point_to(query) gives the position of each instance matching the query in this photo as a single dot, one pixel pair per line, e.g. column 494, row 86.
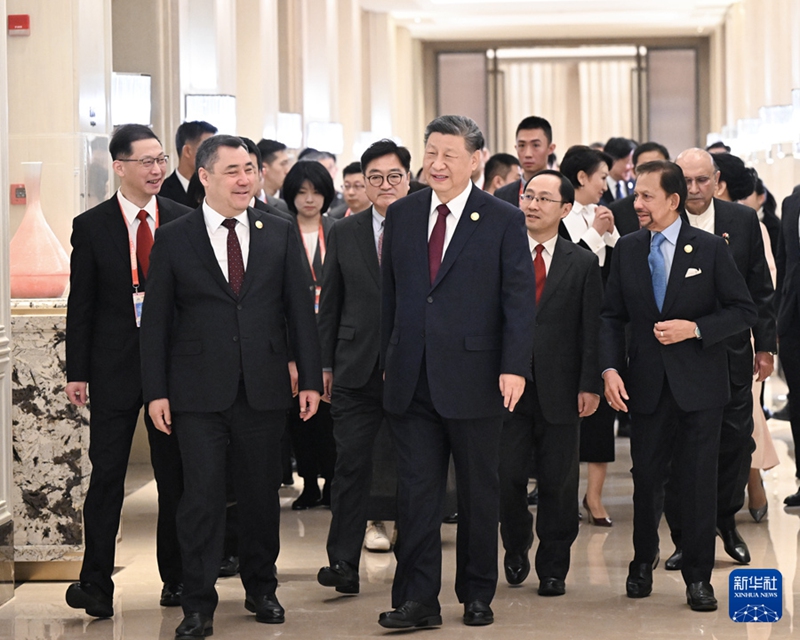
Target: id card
column 317, row 292
column 138, row 301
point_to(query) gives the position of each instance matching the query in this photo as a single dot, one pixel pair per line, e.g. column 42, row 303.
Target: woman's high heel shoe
column 597, row 522
column 758, row 514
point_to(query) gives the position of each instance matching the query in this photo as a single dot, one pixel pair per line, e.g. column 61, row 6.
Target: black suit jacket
column 787, row 261
column 565, row 358
column 275, row 211
column 473, row 323
column 198, row 339
column 716, row 298
column 739, row 225
column 337, row 213
column 278, row 204
column 608, row 198
column 102, row 336
column 173, row 189
column 625, row 219
column 319, row 266
column 350, row 305
column 510, row 193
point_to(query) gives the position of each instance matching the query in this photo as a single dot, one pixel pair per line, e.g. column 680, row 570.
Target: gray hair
column 457, row 126
column 208, row 152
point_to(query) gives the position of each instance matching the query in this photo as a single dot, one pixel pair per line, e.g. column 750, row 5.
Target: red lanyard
column 521, row 187
column 132, row 245
column 310, row 255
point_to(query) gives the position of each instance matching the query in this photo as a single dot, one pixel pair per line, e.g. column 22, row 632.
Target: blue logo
column 755, row 595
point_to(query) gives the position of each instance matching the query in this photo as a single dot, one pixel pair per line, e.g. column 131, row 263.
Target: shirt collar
column 456, row 205
column 214, row 220
column 671, row 232
column 184, row 181
column 549, row 245
column 130, row 210
column 377, row 218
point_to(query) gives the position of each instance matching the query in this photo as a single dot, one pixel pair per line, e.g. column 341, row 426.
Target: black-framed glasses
column 526, row 197
column 376, row 179
column 147, row 162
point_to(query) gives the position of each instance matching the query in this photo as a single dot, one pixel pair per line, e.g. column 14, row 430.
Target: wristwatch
column 697, row 333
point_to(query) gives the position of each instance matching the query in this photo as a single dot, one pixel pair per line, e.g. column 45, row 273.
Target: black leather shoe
column 675, row 561
column 517, row 567
column 325, row 500
column 477, row 614
column 195, row 625
column 310, row 497
column 171, row 594
column 341, row 575
column 700, row 597
column 229, row 567
column 792, row 500
column 551, row 587
column 86, row 596
column 267, row 608
column 411, row 615
column 639, row 583
column 451, row 518
column 734, row 546
column 533, row 497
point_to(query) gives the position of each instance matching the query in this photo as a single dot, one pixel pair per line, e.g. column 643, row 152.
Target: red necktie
column 235, row 261
column 380, row 245
column 436, row 242
column 540, row 271
column 144, row 242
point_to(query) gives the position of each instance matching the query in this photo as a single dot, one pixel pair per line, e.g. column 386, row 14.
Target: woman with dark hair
column 592, row 227
column 308, row 191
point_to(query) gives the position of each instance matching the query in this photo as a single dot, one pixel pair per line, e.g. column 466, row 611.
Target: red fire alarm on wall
column 19, row 25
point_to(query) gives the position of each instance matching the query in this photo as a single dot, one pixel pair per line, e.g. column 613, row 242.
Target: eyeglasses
column 376, row 179
column 147, row 162
column 357, row 186
column 526, row 197
column 701, row 181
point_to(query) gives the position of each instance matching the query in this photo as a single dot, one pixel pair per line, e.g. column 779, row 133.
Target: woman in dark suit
column 308, row 191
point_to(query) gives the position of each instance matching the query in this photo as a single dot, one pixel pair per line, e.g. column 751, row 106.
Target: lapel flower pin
column 726, row 237
column 474, row 216
column 259, row 224
column 688, row 248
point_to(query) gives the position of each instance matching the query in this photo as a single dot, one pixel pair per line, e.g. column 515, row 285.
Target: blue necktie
column 619, row 190
column 658, row 268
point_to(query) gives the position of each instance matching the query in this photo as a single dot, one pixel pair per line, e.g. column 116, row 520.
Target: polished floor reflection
column 595, row 605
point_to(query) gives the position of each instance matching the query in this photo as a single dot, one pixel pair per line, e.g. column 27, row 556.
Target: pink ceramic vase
column 39, row 264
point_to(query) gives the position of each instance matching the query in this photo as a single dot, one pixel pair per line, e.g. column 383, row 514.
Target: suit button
column 236, row 338
column 239, row 307
column 430, row 299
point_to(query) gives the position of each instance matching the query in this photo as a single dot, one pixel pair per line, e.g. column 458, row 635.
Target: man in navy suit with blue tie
column 680, row 291
column 456, row 337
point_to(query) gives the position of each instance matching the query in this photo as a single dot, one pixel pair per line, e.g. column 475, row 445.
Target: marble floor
column 595, row 605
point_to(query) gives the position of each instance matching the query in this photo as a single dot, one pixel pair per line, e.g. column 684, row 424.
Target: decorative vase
column 39, row 264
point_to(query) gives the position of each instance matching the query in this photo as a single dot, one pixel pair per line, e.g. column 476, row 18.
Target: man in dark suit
column 679, row 290
column 738, row 225
column 625, row 219
column 788, row 298
column 275, row 164
column 349, row 328
column 534, row 143
column 354, row 190
column 110, row 259
column 566, row 387
column 226, row 294
column 188, row 138
column 618, row 181
column 456, row 338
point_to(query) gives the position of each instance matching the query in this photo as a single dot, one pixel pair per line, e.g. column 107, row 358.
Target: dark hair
column 253, row 150
column 732, row 171
column 535, row 122
column 195, row 192
column 208, row 152
column 352, row 168
column 457, row 126
column 619, row 148
column 416, row 185
column 310, row 154
column 269, row 149
column 385, row 147
column 646, row 147
column 770, row 205
column 565, row 189
column 498, row 165
column 672, row 180
column 192, row 132
column 121, row 144
column 718, row 145
column 579, row 158
column 314, row 173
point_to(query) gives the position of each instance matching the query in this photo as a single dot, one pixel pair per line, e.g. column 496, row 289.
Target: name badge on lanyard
column 310, row 256
column 138, row 296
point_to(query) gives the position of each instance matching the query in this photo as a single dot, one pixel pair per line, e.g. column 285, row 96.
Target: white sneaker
column 376, row 538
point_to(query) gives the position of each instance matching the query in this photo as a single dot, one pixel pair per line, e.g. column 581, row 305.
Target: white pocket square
column 691, row 272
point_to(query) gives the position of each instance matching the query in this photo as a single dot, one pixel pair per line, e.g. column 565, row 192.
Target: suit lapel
column 644, row 277
column 684, row 256
column 559, row 266
column 464, row 229
column 365, row 239
column 117, row 228
column 198, row 237
column 257, row 252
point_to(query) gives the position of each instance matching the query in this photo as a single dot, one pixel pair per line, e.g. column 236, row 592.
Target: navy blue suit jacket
column 476, row 320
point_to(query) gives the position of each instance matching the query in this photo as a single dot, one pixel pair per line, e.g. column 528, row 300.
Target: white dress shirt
column 612, row 186
column 579, row 225
column 184, row 181
column 547, row 252
column 130, row 211
column 456, row 206
column 705, row 221
column 377, row 226
column 219, row 236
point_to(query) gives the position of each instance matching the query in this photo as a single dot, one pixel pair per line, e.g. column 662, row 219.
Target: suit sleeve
column 780, row 255
column 157, row 316
column 81, row 303
column 759, row 284
column 735, row 311
column 388, row 301
column 330, row 303
column 613, row 318
column 518, row 298
column 590, row 379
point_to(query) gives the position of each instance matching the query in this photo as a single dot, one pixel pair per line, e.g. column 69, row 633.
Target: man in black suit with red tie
column 566, row 387
column 109, row 265
column 534, row 143
column 227, row 295
column 188, row 138
column 457, row 334
column 679, row 290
